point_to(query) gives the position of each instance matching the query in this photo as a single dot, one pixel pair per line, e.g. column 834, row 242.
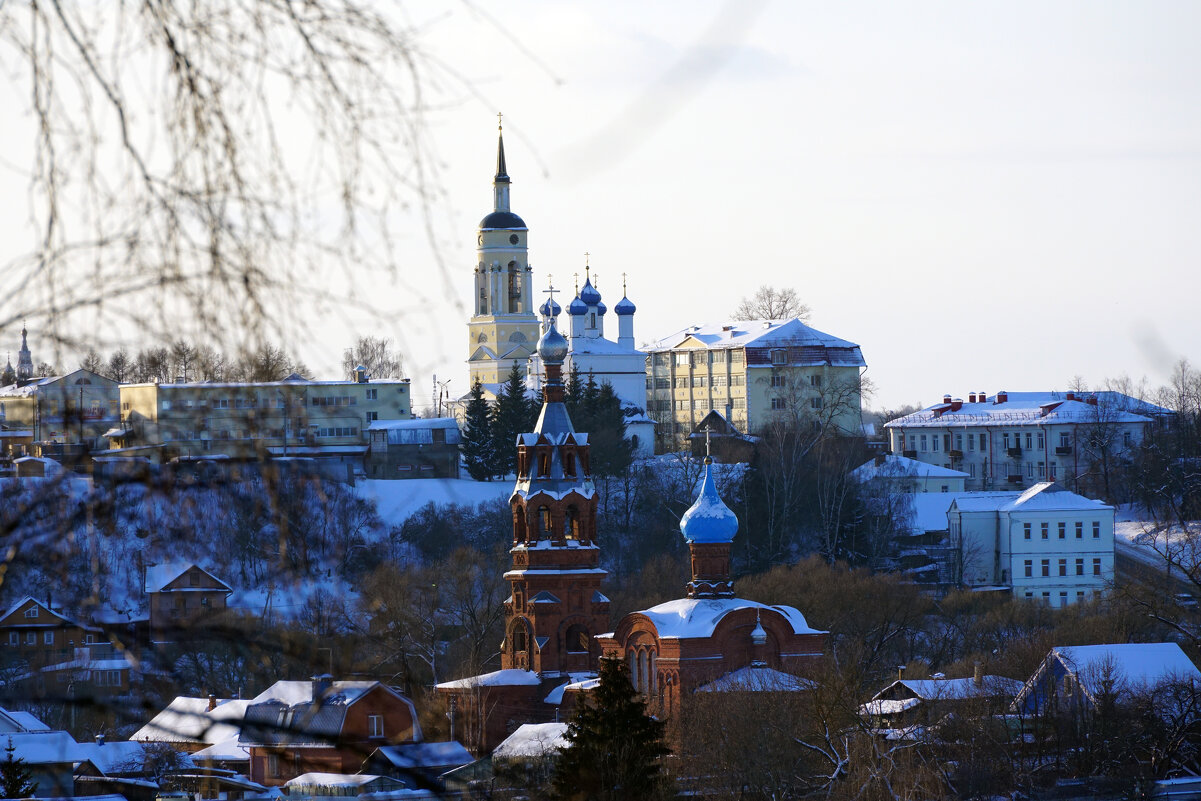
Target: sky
column 983, row 196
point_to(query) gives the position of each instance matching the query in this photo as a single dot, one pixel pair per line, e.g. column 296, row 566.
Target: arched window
column 571, row 523
column 520, row 643
column 643, row 672
column 578, row 641
column 543, row 520
column 517, row 336
column 569, row 463
column 654, row 689
column 592, row 320
column 482, row 338
column 634, row 668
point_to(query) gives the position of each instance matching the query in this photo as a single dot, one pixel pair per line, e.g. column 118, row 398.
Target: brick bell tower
column 556, row 607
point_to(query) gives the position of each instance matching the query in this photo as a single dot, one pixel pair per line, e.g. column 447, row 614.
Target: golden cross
column 623, row 284
column 499, row 124
column 708, row 431
column 576, row 276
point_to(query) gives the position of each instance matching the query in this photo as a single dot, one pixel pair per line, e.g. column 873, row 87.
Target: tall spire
column 502, row 173
column 24, row 358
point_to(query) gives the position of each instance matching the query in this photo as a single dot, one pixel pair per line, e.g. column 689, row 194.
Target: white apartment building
column 1047, row 544
column 1016, row 439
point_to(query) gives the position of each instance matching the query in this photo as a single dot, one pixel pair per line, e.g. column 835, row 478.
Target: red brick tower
column 556, row 606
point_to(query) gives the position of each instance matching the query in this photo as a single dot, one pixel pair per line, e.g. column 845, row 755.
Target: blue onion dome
column 624, row 308
column 577, row 307
column 588, row 293
column 551, row 308
column 552, row 347
column 503, row 219
column 709, row 520
column 601, row 308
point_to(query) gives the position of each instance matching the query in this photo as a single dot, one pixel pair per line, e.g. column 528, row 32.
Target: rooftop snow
column 887, row 706
column 159, row 576
column 698, row 617
column 533, row 740
column 756, row 679
column 1022, row 408
column 189, row 720
column 756, row 333
column 226, row 750
column 301, row 692
column 497, row 678
column 556, row 695
column 903, row 467
column 1044, row 496
column 957, row 689
column 1137, row 664
column 425, row 755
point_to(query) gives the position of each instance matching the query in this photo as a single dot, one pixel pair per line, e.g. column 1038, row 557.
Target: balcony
column 1063, row 450
column 1015, row 452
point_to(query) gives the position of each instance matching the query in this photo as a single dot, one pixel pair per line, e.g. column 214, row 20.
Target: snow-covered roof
column 497, row 678
column 599, row 345
column 1021, row 408
column 331, row 780
column 119, row 756
column 418, row 431
column 956, row 689
column 17, row 720
column 888, row 706
column 765, row 334
column 291, row 380
column 44, row 747
column 555, row 696
column 895, row 466
column 1133, row 664
column 532, row 740
column 227, row 750
column 698, row 617
column 159, row 576
column 425, row 755
column 61, row 617
column 1046, row 496
column 300, row 692
column 757, row 679
column 189, row 720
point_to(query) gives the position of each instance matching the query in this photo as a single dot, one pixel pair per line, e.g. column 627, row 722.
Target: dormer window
column 544, row 463
column 569, row 463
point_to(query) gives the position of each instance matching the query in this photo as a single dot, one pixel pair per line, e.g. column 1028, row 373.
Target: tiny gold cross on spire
column 708, row 443
column 576, row 276
column 499, row 121
column 623, row 284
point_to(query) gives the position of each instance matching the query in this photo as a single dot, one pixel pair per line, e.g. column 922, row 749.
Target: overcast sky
column 983, row 196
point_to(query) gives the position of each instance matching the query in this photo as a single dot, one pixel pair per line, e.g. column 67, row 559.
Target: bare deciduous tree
column 376, row 354
column 770, row 303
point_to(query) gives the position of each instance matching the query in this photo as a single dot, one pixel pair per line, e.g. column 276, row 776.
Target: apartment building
column 1047, row 544
column 66, row 416
column 1016, row 439
column 753, row 372
column 295, row 417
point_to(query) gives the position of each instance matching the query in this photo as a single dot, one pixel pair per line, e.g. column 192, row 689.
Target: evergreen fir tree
column 513, row 415
column 611, row 452
column 616, row 749
column 477, row 444
column 571, row 394
column 15, row 780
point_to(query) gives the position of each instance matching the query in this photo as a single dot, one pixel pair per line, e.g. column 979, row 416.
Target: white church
column 504, row 329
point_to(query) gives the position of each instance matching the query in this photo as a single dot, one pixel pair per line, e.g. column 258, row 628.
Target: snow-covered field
column 396, row 501
column 1140, row 538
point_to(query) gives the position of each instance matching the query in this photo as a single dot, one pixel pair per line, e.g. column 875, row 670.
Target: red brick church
column 557, row 621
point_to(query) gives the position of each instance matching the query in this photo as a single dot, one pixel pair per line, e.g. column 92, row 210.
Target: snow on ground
column 1136, row 536
column 396, row 501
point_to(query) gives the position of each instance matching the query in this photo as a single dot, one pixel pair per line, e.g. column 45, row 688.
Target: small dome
column 588, row 293
column 758, row 635
column 503, row 219
column 709, row 520
column 624, row 308
column 577, row 307
column 553, row 345
column 550, row 309
column 601, row 308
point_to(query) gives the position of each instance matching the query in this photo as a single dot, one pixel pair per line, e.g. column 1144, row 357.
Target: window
column 737, row 355
column 1028, row 441
column 815, row 380
column 1097, row 566
column 1005, row 440
column 662, row 383
column 1096, row 529
column 372, row 394
column 1043, row 529
column 31, row 612
column 1046, row 566
column 1063, row 597
column 1046, row 597
column 815, row 403
column 1063, row 530
column 682, row 359
column 735, row 380
column 1079, row 567
column 1079, row 596
column 1064, row 439
column 1063, row 567
column 934, row 443
column 681, row 382
column 971, row 442
column 699, row 381
column 125, row 406
column 777, row 403
column 1041, row 441
column 1025, row 531
column 1042, row 469
column 779, row 357
column 959, row 442
column 923, row 442
column 14, row 638
column 777, row 380
column 373, row 416
column 1029, row 565
column 1127, row 439
column 1079, row 529
column 273, row 764
column 720, row 381
column 984, row 442
column 31, row 638
column 375, row 725
column 683, row 406
column 1029, row 469
column 739, row 403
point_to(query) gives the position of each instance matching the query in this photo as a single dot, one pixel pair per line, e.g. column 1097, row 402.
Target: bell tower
column 503, row 328
column 556, row 606
column 24, row 359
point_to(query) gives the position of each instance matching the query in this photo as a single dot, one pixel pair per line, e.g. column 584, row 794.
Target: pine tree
column 477, row 444
column 611, row 452
column 15, row 780
column 616, row 749
column 512, row 415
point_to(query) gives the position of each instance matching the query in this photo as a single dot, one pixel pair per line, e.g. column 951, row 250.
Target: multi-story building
column 63, row 417
column 754, row 373
column 1016, row 439
column 294, row 417
column 1047, row 544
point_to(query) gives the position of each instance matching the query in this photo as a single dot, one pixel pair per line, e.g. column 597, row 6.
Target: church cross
column 708, row 443
column 576, row 276
column 550, row 290
column 623, row 284
column 499, row 121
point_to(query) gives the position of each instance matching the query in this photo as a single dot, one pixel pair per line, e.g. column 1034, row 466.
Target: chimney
column 956, row 404
column 1002, row 396
column 1091, row 400
column 982, row 397
column 946, row 398
column 321, row 685
column 360, row 374
column 1070, row 396
column 971, row 397
column 212, row 702
column 978, row 674
column 99, row 739
column 900, row 672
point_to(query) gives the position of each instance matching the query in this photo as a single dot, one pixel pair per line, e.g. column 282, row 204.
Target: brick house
column 323, row 726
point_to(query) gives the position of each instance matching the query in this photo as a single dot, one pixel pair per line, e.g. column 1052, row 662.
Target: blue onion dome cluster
column 551, row 308
column 624, row 308
column 577, row 307
column 552, row 347
column 588, row 293
column 709, row 520
column 601, row 308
